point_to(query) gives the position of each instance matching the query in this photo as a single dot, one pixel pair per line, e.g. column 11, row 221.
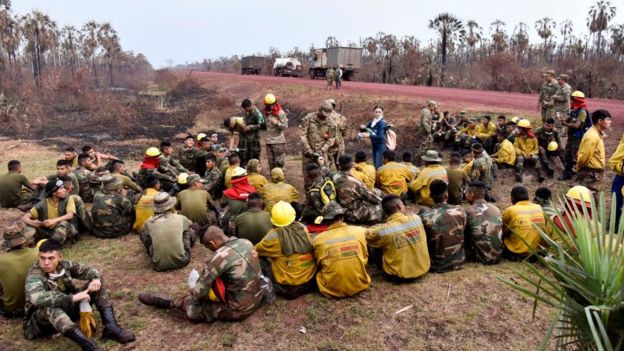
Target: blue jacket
column 378, row 137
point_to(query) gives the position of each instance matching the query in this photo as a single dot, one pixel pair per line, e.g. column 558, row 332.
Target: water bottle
column 267, row 287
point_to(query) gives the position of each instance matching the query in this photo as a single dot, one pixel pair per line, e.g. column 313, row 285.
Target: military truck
column 287, row 67
column 348, row 59
column 253, row 64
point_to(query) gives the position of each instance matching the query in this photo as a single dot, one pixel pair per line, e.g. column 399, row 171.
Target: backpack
column 327, row 190
column 391, row 138
column 583, row 127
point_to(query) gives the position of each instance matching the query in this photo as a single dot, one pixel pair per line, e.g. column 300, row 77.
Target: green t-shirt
column 14, row 266
column 167, row 245
column 11, row 188
column 253, row 225
column 193, row 204
column 126, row 182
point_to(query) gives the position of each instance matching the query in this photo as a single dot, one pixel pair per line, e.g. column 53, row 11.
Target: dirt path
column 464, row 98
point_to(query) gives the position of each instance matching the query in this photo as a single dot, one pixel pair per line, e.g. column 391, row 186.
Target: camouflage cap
column 332, row 102
column 110, row 183
column 326, row 108
column 563, row 76
column 194, row 178
column 17, row 233
column 163, row 202
column 432, row 103
column 550, row 72
column 431, row 156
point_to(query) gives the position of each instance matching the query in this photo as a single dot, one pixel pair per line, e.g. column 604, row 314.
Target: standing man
column 249, row 142
column 484, row 228
column 339, row 77
column 562, row 97
column 426, row 125
column 341, row 133
column 547, row 91
column 277, row 122
column 591, row 160
column 318, row 133
column 330, row 75
column 578, row 122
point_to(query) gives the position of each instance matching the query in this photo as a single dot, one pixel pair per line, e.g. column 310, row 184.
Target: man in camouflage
column 83, row 220
column 545, row 135
column 481, row 166
column 484, row 227
column 54, row 303
column 277, row 122
column 87, row 178
column 330, row 75
column 562, row 97
column 169, row 165
column 547, row 92
column 189, row 153
column 249, row 142
column 318, row 135
column 228, row 287
column 445, row 226
column 426, row 125
column 361, row 204
column 341, row 134
column 213, row 178
column 112, row 211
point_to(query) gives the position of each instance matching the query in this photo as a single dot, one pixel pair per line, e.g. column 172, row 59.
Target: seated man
column 149, row 166
column 482, row 165
column 228, row 287
column 253, row 224
column 403, row 241
column 88, row 180
column 235, row 198
column 486, row 131
column 527, row 149
column 169, row 165
column 407, row 162
column 70, row 154
column 341, row 255
column 11, row 185
column 168, row 237
column 83, row 220
column 457, row 179
column 363, row 171
column 483, row 237
column 213, row 178
column 234, row 162
column 14, row 266
column 54, row 303
column 432, row 171
column 576, row 198
column 97, row 157
column 519, row 221
column 504, row 152
column 288, row 249
column 550, row 146
column 53, row 216
column 321, row 191
column 256, row 179
column 393, row 177
column 543, row 197
column 144, row 208
column 195, row 203
column 278, row 190
column 112, row 211
column 119, row 172
column 63, row 168
column 360, row 204
column 445, row 226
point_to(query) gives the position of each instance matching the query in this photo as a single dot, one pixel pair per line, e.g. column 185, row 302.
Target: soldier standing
column 341, row 134
column 547, row 91
column 318, row 135
column 562, row 97
column 426, row 125
column 277, row 122
column 338, row 73
column 249, row 142
column 330, row 75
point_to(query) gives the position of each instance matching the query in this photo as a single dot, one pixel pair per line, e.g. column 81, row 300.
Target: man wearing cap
column 341, row 255
column 591, row 159
column 167, row 236
column 341, row 133
column 254, row 223
column 519, row 225
column 145, row 206
column 54, row 304
column 287, row 255
column 278, row 190
column 53, row 216
column 578, row 122
column 277, row 122
column 548, row 152
column 14, row 266
column 318, row 132
column 444, row 225
column 195, row 203
column 402, row 240
column 256, row 179
column 112, row 211
column 545, row 101
column 482, row 165
column 11, row 185
column 249, row 141
column 527, row 149
column 483, row 237
column 432, row 171
column 361, row 205
column 393, row 177
column 228, row 287
column 562, row 97
column 87, row 178
column 426, row 125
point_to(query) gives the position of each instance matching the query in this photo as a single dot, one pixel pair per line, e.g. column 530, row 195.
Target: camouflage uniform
column 240, row 272
column 88, row 182
column 484, row 232
column 63, row 232
column 112, row 215
column 341, row 134
column 275, row 139
column 445, row 225
column 170, row 166
column 361, row 204
column 249, row 141
column 482, row 169
column 561, row 99
column 318, row 135
column 426, row 133
column 547, row 158
column 49, row 308
column 214, row 182
column 84, row 221
column 547, row 91
column 166, row 181
column 315, row 203
column 330, row 75
column 188, row 157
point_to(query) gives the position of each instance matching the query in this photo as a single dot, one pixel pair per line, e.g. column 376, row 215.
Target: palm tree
column 498, row 35
column 36, row 28
column 520, row 39
column 598, row 19
column 69, row 36
column 566, row 28
column 109, row 41
column 474, row 35
column 90, row 45
column 617, row 40
column 545, row 27
column 448, row 26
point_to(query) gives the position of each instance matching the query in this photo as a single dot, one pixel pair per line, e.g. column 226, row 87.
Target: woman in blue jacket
column 377, row 132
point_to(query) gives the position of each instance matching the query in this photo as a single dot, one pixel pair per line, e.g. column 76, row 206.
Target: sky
column 184, row 31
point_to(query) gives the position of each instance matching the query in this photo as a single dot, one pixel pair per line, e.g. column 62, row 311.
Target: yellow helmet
column 282, row 214
column 200, row 136
column 238, row 172
column 579, row 193
column 183, row 178
column 515, row 119
column 578, row 94
column 524, row 123
column 152, row 151
column 269, row 99
column 553, row 146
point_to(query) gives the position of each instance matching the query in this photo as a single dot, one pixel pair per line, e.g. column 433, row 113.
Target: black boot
column 79, row 338
column 112, row 330
column 155, row 300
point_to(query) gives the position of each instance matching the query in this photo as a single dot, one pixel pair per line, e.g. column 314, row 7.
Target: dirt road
column 477, row 100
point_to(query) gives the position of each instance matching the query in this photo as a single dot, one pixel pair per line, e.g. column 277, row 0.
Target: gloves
column 87, row 322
